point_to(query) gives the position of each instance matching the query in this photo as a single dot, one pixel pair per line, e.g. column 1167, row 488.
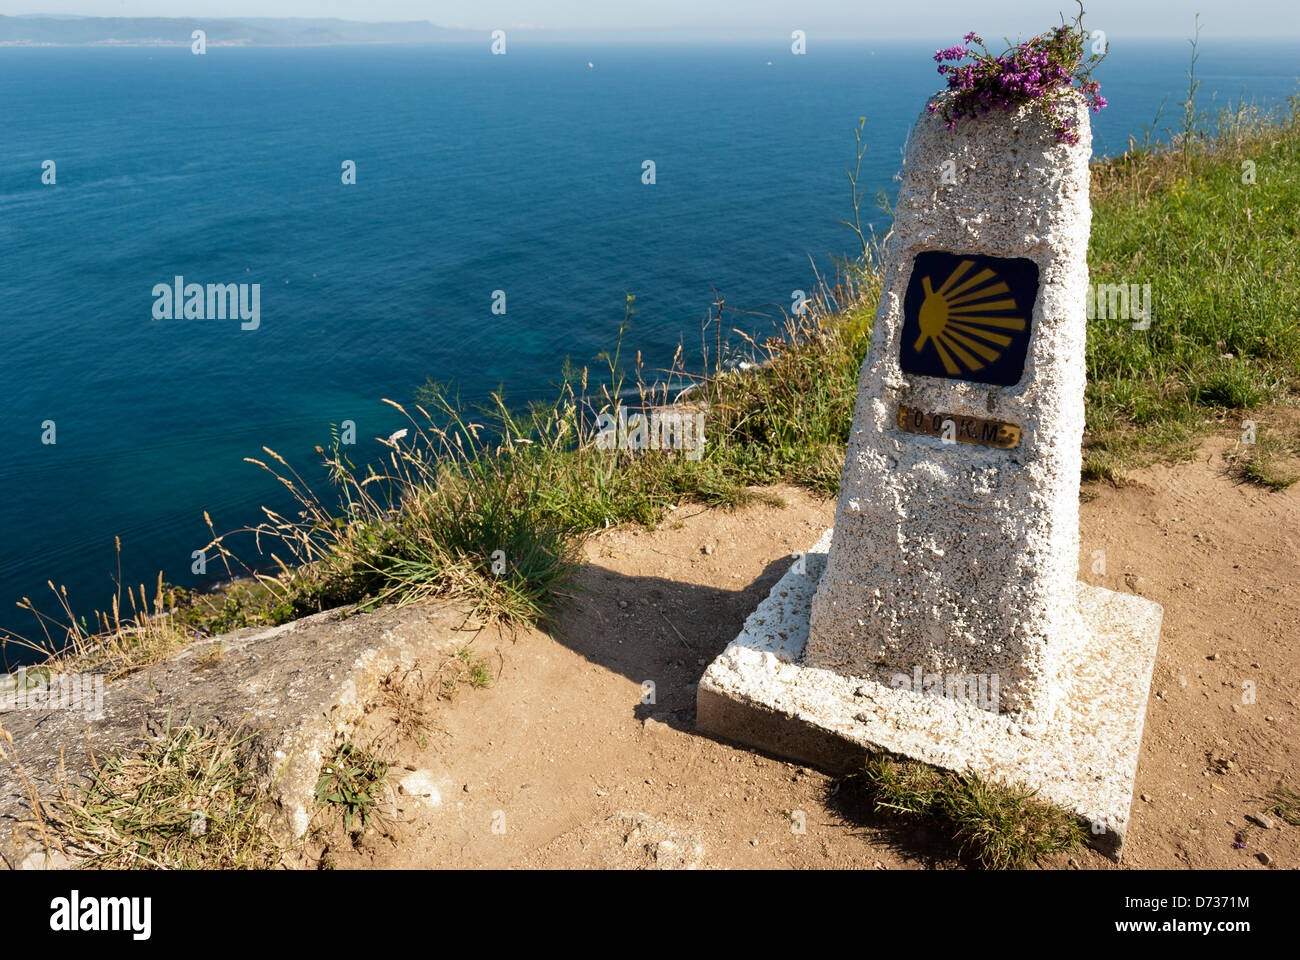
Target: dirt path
column 564, row 762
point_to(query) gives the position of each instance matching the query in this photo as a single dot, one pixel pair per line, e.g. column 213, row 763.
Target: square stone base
column 757, row 692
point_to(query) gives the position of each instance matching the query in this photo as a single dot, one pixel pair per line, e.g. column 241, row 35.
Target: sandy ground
column 566, row 760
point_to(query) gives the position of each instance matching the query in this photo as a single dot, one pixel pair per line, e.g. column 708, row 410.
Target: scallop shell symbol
column 955, row 319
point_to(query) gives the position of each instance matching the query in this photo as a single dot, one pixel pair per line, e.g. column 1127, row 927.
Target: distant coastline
column 48, row 31
column 212, row 43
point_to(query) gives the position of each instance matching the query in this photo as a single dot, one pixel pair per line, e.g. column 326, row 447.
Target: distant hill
column 251, row 31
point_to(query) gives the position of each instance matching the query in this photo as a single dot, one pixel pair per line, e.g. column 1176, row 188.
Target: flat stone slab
column 760, row 693
column 292, row 689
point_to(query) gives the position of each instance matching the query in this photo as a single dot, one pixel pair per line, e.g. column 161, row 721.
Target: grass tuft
column 1286, row 804
column 998, row 826
column 1270, row 463
column 352, row 782
column 465, row 667
column 189, row 799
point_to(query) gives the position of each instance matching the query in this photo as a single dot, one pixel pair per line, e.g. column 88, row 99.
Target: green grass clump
column 465, row 667
column 1270, row 462
column 189, row 799
column 1286, row 804
column 999, row 827
column 353, row 781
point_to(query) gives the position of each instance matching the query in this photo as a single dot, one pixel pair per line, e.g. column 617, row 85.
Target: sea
column 502, row 212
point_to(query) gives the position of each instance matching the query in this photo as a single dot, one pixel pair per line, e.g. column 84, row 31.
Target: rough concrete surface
column 294, row 688
column 762, row 691
column 954, row 557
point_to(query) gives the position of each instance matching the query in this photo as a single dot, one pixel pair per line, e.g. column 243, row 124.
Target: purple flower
column 1041, row 70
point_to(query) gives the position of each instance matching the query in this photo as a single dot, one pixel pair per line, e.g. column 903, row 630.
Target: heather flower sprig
column 1041, row 70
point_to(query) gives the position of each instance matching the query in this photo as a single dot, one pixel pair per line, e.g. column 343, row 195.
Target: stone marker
column 952, row 568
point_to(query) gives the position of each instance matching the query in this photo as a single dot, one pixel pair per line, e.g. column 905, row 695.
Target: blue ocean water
column 475, row 173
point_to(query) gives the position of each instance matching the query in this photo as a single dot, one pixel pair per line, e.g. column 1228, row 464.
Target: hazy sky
column 847, row 19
